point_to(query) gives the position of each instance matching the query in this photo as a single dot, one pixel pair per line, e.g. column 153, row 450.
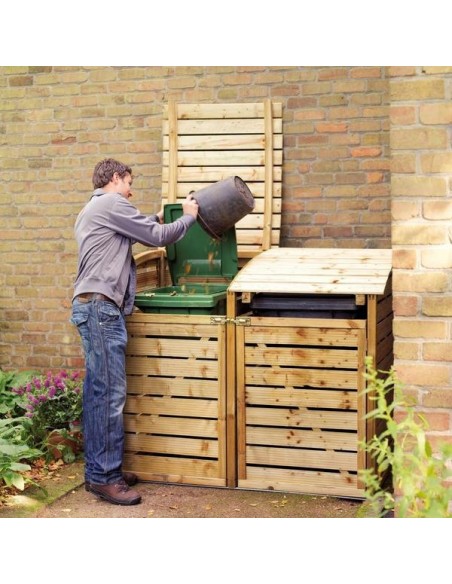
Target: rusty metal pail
column 222, row 204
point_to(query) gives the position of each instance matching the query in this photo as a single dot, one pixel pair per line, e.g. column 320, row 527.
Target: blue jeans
column 103, row 331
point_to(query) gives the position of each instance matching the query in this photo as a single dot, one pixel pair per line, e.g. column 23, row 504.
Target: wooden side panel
column 175, row 413
column 299, row 409
column 384, row 334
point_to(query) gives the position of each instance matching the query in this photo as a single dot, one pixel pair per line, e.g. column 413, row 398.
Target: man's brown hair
column 105, row 169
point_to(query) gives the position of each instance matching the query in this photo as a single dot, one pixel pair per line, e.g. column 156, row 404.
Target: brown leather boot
column 130, row 478
column 117, row 493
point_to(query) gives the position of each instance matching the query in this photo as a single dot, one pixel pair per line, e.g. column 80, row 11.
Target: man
column 104, row 293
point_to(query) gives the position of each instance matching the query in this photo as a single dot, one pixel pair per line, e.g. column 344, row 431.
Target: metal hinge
column 241, row 320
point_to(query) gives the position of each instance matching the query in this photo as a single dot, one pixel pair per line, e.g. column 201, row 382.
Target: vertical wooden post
column 371, row 352
column 172, row 152
column 362, row 403
column 268, row 205
column 231, row 447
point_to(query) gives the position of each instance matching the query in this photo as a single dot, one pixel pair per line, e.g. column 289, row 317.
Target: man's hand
column 190, row 206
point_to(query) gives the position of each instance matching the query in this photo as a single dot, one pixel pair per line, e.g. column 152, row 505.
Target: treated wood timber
column 172, row 386
column 223, row 127
column 166, row 425
column 301, row 418
column 196, row 408
column 240, row 401
column 256, row 221
column 206, row 143
column 362, row 404
column 188, row 470
column 306, row 331
column 384, row 329
column 271, row 158
column 172, row 131
column 192, row 158
column 172, row 367
column 311, row 270
column 301, row 438
column 301, row 458
column 225, row 142
column 307, row 357
column 175, row 445
column 303, row 481
column 308, row 398
column 143, row 319
column 231, row 396
column 384, row 307
column 224, row 110
column 292, row 376
column 216, row 173
column 257, row 188
column 169, row 328
column 170, row 347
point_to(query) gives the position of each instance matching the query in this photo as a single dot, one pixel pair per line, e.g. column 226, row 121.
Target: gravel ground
column 162, row 500
column 66, row 498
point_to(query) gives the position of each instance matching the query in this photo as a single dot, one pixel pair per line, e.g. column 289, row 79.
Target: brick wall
column 421, row 184
column 57, row 122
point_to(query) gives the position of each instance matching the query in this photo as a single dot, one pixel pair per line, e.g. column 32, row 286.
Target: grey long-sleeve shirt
column 105, row 231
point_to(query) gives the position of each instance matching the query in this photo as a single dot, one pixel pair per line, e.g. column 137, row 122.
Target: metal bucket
column 222, row 204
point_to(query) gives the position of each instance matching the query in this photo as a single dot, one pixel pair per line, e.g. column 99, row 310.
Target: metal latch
column 241, row 320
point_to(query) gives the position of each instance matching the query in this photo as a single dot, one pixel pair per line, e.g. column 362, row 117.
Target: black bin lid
column 266, row 301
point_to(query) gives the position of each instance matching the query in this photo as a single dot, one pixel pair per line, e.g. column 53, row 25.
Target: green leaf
column 15, row 479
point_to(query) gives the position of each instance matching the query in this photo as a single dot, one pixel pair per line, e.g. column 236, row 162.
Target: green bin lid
column 199, row 257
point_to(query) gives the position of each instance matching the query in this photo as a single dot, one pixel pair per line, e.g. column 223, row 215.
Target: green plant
column 14, row 452
column 52, row 400
column 52, row 403
column 9, row 401
column 419, row 476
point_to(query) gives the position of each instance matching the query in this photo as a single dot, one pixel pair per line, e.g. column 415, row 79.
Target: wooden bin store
column 263, row 402
column 300, row 407
column 242, row 398
column 176, row 414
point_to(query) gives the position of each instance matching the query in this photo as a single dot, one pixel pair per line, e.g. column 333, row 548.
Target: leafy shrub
column 52, row 401
column 419, row 476
column 9, row 401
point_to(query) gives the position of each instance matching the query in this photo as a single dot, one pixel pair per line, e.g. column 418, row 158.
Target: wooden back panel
column 205, row 143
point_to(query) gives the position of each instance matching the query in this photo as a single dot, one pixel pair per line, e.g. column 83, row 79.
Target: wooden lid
column 316, row 271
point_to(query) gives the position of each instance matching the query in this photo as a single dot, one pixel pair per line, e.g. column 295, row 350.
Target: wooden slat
column 216, row 173
column 301, row 438
column 154, row 424
column 301, row 458
column 196, row 408
column 199, row 348
column 302, row 398
column 257, row 188
column 218, row 158
column 293, row 376
column 342, row 484
column 287, row 417
column 224, row 142
column 224, row 110
column 172, row 469
column 193, row 447
column 306, row 357
column 172, row 367
column 295, row 331
column 217, row 127
column 173, row 386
